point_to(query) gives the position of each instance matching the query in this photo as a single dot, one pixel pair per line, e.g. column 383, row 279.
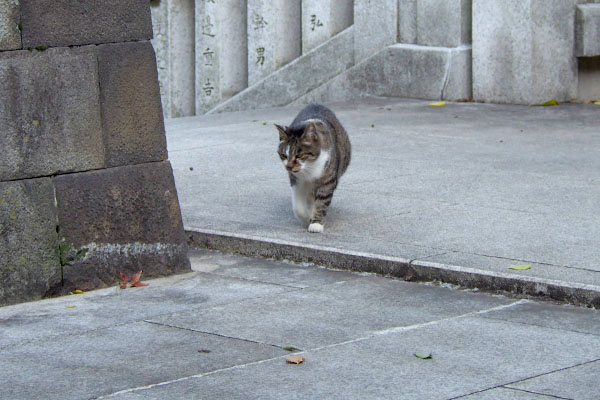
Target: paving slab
column 572, row 382
column 216, row 332
column 467, row 185
column 139, row 353
column 470, row 354
column 316, row 317
column 76, row 314
column 503, row 393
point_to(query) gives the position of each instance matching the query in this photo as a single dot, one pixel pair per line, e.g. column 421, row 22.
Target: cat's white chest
column 303, row 197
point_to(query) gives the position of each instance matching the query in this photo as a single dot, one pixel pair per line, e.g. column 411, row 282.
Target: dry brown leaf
column 295, row 359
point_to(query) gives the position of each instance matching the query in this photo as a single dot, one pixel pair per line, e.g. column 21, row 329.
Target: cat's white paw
column 315, row 227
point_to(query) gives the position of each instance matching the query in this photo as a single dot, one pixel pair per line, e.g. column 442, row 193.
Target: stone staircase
column 249, row 54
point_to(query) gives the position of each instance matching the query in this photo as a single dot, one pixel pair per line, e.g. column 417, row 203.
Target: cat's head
column 298, row 150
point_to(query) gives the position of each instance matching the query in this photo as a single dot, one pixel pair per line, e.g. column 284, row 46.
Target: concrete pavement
column 457, row 194
column 220, row 332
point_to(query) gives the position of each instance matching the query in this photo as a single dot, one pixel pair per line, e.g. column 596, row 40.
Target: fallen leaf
column 35, row 122
column 265, row 122
column 520, row 267
column 295, row 359
column 291, row 348
column 597, row 103
column 135, row 280
column 71, row 306
column 77, row 291
column 438, row 104
column 551, row 103
column 424, row 356
column 125, row 281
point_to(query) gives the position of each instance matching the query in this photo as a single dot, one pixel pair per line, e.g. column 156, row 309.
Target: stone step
column 409, row 270
column 402, row 70
column 297, row 78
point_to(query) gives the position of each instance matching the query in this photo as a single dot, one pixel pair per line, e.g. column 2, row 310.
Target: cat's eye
column 282, row 156
column 302, row 156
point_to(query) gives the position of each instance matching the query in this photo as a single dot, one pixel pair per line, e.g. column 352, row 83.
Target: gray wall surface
column 519, row 52
column 86, row 190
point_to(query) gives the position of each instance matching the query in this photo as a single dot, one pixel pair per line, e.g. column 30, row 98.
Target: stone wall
column 86, row 190
column 513, row 51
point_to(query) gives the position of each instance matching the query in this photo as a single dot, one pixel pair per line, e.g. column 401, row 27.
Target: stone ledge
column 75, row 22
column 409, row 270
column 402, row 70
column 588, row 30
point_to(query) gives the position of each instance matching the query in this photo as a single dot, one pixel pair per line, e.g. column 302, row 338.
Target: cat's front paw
column 315, row 227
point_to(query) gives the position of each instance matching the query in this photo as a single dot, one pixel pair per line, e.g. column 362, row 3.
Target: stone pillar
column 524, row 51
column 375, row 26
column 588, row 51
column 221, row 51
column 407, row 21
column 322, row 19
column 274, row 36
column 441, row 23
column 86, row 190
column 173, row 26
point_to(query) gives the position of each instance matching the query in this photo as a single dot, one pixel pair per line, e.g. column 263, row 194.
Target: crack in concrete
column 505, row 385
column 253, row 363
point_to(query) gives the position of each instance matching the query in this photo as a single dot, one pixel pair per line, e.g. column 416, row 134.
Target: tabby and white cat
column 315, row 150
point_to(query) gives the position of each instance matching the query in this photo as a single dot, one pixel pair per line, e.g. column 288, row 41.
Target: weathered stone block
column 375, row 26
column 323, row 19
column 131, row 109
column 173, row 28
column 588, row 30
column 292, row 81
column 221, row 51
column 530, row 63
column 29, row 257
column 274, row 36
column 10, row 36
column 403, row 70
column 76, row 22
column 49, row 115
column 128, row 219
column 445, row 23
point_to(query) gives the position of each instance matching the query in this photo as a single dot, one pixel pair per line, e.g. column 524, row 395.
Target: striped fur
column 315, row 150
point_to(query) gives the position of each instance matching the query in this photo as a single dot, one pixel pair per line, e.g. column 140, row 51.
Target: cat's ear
column 283, row 135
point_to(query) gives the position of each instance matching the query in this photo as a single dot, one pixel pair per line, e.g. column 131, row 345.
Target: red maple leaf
column 135, row 280
column 125, row 281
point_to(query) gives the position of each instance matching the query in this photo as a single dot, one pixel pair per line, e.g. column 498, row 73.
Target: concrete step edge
column 406, row 269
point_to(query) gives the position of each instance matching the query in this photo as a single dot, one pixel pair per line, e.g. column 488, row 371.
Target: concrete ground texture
column 459, row 193
column 448, row 198
column 223, row 331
